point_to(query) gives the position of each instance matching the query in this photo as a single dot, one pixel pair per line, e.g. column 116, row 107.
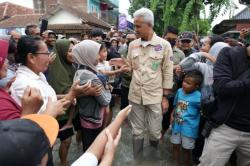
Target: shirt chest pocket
column 155, row 61
column 135, row 61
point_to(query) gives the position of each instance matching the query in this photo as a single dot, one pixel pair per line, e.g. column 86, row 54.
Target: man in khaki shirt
column 151, row 61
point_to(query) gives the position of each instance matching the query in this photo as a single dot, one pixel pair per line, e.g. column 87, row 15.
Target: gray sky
column 124, row 5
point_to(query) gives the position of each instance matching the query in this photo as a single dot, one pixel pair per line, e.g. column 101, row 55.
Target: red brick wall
column 240, row 26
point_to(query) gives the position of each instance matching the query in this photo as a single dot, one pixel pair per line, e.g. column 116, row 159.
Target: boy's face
column 189, row 85
column 103, row 54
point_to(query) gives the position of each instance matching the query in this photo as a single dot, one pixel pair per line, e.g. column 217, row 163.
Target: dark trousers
column 124, row 97
column 199, row 142
column 167, row 115
column 50, row 158
column 88, row 137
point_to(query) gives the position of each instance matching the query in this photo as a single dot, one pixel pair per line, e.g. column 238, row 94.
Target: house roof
column 226, row 25
column 8, row 9
column 69, row 26
column 86, row 18
column 243, row 15
column 20, row 20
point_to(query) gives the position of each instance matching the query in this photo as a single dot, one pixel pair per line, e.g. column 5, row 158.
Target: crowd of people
column 53, row 87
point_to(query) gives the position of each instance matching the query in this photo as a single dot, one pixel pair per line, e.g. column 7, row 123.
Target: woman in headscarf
column 91, row 108
column 60, row 77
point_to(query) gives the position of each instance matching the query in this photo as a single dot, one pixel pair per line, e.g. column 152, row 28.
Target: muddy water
column 151, row 156
column 124, row 153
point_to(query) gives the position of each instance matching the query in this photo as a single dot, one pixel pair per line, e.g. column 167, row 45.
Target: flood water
column 124, row 152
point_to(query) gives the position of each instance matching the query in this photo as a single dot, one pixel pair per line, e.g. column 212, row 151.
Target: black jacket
column 230, row 63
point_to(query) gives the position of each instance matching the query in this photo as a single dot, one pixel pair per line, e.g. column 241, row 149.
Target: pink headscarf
column 3, row 51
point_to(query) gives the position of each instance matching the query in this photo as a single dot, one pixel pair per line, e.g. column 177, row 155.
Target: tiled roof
column 8, row 9
column 243, row 15
column 69, row 26
column 20, row 20
column 87, row 18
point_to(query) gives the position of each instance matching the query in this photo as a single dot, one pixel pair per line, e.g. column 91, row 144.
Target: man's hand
column 57, row 108
column 110, row 148
column 244, row 32
column 124, row 68
column 117, row 62
column 165, row 105
column 31, row 101
column 178, row 70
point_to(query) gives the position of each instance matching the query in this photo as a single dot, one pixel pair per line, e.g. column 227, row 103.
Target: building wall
column 94, row 7
column 64, row 17
column 240, row 26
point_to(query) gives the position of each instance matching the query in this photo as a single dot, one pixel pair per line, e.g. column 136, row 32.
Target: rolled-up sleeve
column 167, row 67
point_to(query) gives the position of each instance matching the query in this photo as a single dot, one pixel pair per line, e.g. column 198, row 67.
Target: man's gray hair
column 147, row 15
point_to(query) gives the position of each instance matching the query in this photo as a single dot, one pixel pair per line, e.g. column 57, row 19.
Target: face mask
column 172, row 43
column 4, row 81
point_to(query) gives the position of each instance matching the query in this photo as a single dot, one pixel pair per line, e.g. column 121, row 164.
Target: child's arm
column 209, row 57
column 113, row 72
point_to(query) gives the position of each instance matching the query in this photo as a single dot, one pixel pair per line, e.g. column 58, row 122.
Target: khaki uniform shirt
column 152, row 70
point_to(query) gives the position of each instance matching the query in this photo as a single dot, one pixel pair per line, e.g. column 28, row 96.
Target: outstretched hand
column 110, row 148
column 117, row 62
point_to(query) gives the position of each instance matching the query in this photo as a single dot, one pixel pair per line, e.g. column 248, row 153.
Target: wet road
column 124, row 154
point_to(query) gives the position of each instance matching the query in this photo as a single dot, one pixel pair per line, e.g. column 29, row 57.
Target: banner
column 123, row 24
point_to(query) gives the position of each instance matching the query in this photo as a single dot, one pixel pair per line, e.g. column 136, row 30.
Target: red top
column 9, row 109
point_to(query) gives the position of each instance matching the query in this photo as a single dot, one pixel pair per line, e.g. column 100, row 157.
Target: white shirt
column 104, row 66
column 26, row 77
column 87, row 159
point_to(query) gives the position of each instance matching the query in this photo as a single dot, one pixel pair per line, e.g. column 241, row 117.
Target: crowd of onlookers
column 201, row 85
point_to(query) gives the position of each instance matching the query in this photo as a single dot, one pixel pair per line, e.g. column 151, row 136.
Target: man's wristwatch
column 168, row 96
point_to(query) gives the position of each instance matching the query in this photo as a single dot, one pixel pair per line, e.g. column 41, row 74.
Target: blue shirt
column 187, row 113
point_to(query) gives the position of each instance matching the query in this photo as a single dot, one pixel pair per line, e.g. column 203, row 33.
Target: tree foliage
column 183, row 14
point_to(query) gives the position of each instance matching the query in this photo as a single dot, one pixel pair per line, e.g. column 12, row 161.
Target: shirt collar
column 25, row 70
column 152, row 42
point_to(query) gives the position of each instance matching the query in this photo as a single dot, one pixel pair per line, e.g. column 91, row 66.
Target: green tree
column 184, row 14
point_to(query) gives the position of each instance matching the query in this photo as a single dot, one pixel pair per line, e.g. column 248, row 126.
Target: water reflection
column 151, row 156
